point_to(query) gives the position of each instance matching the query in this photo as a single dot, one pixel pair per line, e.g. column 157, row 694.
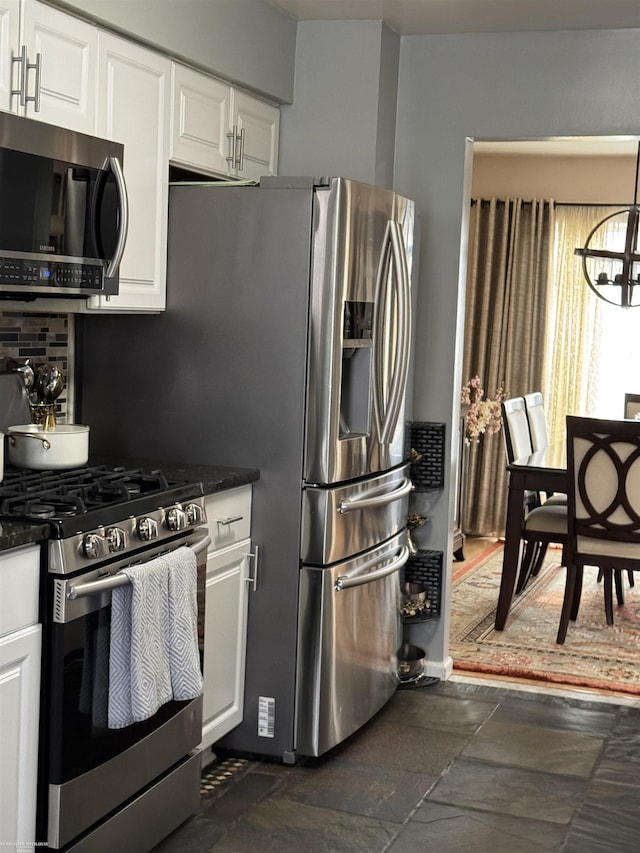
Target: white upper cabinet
column 219, row 130
column 256, row 125
column 49, row 62
column 199, row 121
column 133, row 108
column 9, row 46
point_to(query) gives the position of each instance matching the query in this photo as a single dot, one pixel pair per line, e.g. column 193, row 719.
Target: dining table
column 542, row 471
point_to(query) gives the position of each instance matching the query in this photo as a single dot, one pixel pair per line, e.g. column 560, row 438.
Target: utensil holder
column 43, row 415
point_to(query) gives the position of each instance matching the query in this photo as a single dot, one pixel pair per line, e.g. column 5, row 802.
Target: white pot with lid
column 66, row 446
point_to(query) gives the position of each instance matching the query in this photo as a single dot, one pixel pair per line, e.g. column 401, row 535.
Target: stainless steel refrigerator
column 285, row 346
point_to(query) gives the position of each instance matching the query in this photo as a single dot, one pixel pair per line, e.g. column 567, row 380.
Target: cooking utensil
column 50, row 385
column 30, row 446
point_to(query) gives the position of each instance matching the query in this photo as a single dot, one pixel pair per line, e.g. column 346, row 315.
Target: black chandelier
column 616, row 272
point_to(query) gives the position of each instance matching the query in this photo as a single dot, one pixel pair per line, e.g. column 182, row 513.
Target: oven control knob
column 194, row 513
column 147, row 529
column 91, row 546
column 116, row 540
column 176, row 518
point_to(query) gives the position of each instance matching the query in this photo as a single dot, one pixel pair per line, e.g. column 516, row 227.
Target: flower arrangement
column 485, row 413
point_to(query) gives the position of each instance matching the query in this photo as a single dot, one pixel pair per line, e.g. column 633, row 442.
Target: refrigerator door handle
column 345, row 581
column 386, row 411
column 404, row 332
column 351, row 504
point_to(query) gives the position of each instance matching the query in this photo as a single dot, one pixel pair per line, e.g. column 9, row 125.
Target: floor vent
column 217, row 774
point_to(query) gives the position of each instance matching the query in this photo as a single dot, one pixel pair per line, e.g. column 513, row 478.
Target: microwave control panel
column 50, row 275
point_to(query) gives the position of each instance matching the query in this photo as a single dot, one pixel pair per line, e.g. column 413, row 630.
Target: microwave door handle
column 378, row 329
column 352, row 504
column 114, row 263
column 401, row 367
column 347, row 581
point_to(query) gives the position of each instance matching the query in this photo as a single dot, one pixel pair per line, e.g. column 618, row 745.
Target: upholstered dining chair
column 603, row 510
column 544, row 527
column 631, row 406
column 539, row 432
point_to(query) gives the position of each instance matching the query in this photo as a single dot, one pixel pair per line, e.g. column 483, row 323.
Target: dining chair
column 632, row 406
column 539, row 432
column 603, row 510
column 544, row 528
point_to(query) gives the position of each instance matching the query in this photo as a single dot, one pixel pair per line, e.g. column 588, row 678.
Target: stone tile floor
column 457, row 766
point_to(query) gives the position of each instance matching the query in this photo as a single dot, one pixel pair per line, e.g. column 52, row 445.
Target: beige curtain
column 506, row 305
column 575, row 322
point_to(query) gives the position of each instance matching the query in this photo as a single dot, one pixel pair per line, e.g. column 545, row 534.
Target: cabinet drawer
column 19, row 585
column 229, row 516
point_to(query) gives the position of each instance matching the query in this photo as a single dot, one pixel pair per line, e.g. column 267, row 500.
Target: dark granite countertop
column 13, row 534
column 214, row 478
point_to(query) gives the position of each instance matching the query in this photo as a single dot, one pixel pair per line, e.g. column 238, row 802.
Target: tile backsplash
column 40, row 338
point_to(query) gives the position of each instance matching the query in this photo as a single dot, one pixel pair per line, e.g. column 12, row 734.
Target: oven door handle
column 81, row 590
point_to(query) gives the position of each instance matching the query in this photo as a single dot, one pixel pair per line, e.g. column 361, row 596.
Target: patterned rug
column 593, row 656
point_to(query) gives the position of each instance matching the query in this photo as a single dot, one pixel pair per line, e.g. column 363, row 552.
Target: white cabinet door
column 133, row 108
column 257, row 125
column 19, row 699
column 9, row 46
column 225, row 639
column 67, row 84
column 200, row 111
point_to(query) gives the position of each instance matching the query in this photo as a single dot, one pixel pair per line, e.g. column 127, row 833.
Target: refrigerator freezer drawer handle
column 344, row 582
column 377, row 500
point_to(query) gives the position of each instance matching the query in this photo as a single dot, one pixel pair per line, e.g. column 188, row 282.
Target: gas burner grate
column 60, row 494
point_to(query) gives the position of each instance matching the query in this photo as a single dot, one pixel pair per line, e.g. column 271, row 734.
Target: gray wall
column 342, row 121
column 488, row 86
column 243, row 41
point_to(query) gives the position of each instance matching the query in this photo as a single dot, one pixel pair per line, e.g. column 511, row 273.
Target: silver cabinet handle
column 114, row 263
column 255, row 557
column 35, row 98
column 345, row 582
column 230, row 520
column 239, row 162
column 376, row 500
column 231, row 156
column 21, row 91
column 25, row 67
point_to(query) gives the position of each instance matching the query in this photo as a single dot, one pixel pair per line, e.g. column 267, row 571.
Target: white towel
column 139, row 680
column 182, row 640
column 154, row 642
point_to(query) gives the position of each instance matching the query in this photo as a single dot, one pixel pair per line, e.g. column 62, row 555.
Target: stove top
column 80, row 499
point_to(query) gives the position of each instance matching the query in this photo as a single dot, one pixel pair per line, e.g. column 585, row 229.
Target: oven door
column 92, row 770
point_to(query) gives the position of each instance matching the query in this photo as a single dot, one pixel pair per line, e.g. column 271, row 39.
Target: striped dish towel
column 154, row 638
column 182, row 637
column 139, row 679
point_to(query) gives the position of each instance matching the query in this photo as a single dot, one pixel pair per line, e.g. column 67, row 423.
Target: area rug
column 594, row 654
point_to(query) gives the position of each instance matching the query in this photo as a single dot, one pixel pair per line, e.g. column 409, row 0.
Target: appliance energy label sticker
column 266, row 716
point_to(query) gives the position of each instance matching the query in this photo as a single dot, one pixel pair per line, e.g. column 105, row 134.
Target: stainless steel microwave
column 63, row 211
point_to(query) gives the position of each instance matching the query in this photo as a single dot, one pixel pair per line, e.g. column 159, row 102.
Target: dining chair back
column 632, row 406
column 603, row 519
column 516, row 429
column 537, row 420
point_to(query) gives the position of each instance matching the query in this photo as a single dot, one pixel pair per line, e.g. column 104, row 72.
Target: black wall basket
column 425, row 568
column 427, row 439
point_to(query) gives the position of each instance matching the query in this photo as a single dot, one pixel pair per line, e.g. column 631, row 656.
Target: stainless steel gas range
column 102, row 788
